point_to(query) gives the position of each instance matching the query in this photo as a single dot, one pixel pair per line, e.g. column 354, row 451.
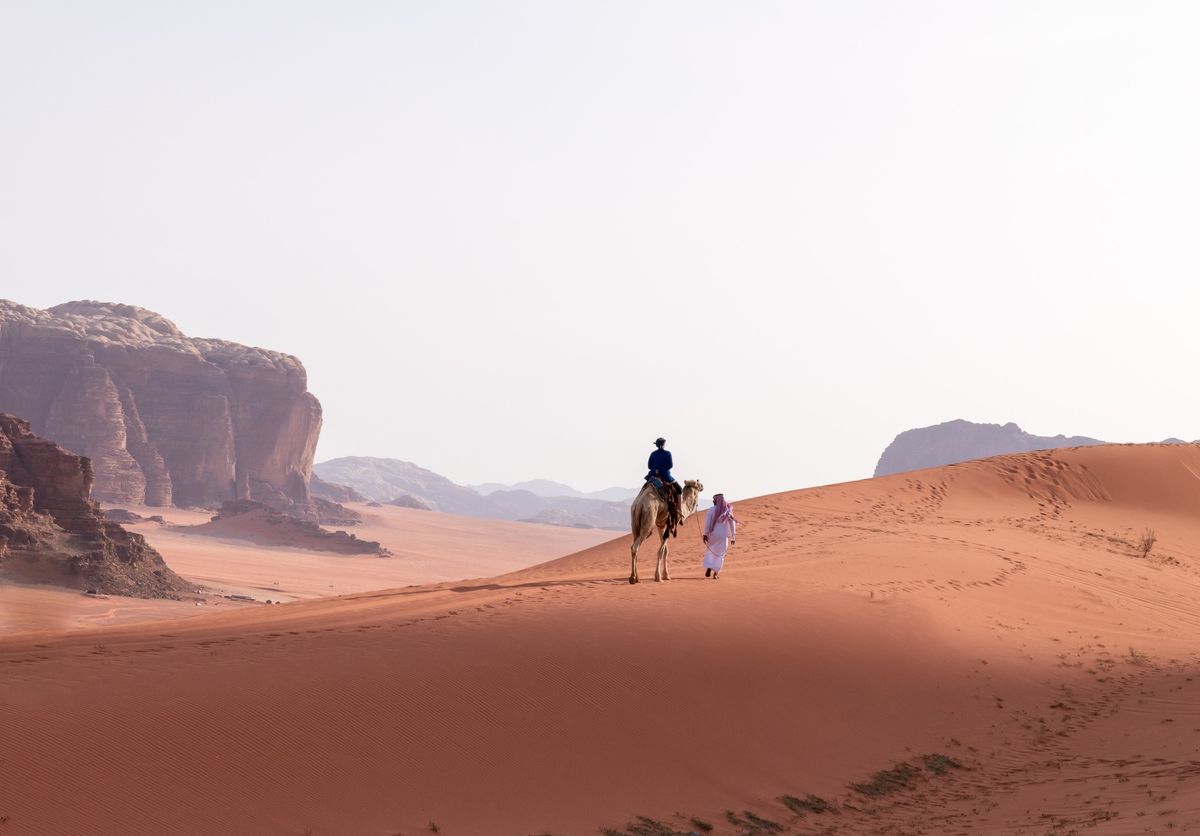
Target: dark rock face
column 52, row 532
column 959, row 441
column 166, row 419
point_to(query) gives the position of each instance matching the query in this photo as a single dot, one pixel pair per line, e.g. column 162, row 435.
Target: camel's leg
column 666, row 554
column 660, row 564
column 637, row 525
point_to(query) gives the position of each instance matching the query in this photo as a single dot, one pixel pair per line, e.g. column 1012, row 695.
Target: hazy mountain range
column 539, row 500
column 548, row 489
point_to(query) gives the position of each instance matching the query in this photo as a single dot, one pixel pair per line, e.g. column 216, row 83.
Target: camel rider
column 660, row 465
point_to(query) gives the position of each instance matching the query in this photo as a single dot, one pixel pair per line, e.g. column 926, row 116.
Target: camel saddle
column 672, row 499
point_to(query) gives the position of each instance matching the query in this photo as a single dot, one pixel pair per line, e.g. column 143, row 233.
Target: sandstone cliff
column 959, row 441
column 52, row 532
column 166, row 419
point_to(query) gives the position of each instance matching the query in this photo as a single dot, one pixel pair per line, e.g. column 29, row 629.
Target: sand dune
column 986, row 631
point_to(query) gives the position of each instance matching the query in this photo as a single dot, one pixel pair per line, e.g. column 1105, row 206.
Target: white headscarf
column 722, row 512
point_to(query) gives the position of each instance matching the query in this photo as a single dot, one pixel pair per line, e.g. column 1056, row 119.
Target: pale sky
column 514, row 240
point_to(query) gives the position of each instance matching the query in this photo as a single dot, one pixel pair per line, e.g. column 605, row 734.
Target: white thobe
column 718, row 541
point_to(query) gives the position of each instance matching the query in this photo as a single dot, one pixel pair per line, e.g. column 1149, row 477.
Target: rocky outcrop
column 332, row 513
column 264, row 525
column 166, row 419
column 960, row 441
column 122, row 516
column 410, row 501
column 52, row 532
column 320, row 489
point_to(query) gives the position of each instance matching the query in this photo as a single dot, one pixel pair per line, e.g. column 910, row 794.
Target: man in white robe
column 720, row 532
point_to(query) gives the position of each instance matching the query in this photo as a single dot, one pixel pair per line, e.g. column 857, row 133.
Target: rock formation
column 262, row 524
column 959, row 441
column 166, row 419
column 326, row 512
column 122, row 516
column 52, row 532
column 320, row 489
column 409, row 501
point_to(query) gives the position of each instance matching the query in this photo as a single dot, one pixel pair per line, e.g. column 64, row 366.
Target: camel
column 648, row 513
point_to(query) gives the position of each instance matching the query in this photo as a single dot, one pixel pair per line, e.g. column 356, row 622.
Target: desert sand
column 426, row 548
column 987, row 632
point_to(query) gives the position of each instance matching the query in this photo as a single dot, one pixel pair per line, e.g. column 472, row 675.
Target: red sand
column 428, row 548
column 993, row 612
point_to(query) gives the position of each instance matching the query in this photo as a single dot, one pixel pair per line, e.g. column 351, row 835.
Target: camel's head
column 691, row 495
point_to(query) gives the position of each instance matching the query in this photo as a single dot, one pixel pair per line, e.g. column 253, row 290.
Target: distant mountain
column 537, row 487
column 386, row 479
column 404, row 483
column 960, row 441
column 578, row 511
column 612, row 516
column 615, row 494
column 547, row 488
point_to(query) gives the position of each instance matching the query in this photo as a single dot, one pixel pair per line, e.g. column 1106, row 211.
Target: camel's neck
column 688, row 505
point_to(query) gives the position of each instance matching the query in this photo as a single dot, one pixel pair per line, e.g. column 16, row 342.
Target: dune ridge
column 978, row 648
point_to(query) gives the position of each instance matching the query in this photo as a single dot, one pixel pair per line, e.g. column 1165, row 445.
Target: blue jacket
column 660, row 460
